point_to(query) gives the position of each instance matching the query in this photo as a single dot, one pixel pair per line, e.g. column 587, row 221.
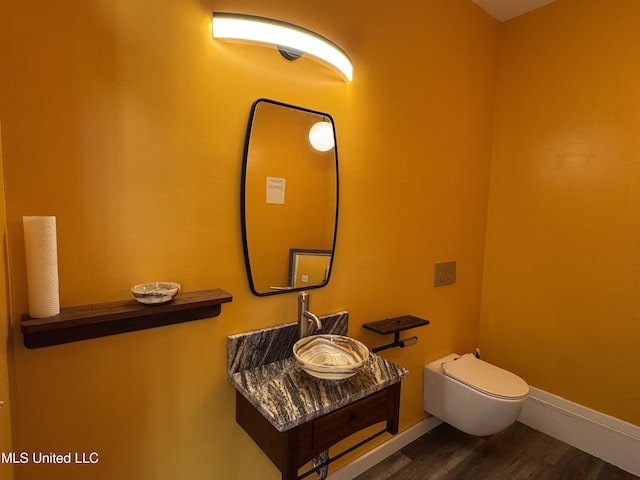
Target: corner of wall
column 6, row 340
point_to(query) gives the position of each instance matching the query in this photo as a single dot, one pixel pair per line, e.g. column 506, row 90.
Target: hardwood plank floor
column 516, row 453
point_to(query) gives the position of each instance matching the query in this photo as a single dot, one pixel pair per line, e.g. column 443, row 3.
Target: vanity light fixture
column 292, row 40
column 321, row 136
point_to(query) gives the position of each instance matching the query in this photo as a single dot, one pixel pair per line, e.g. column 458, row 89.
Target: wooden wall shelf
column 91, row 321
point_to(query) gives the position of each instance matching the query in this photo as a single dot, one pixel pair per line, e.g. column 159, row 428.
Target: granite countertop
column 262, row 368
column 288, row 396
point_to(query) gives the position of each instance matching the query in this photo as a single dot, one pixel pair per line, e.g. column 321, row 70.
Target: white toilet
column 473, row 395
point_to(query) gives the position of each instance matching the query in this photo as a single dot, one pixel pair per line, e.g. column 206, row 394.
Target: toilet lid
column 485, row 377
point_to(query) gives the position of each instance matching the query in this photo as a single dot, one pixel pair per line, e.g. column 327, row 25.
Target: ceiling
column 504, row 10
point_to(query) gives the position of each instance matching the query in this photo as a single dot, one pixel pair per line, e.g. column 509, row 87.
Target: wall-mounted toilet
column 473, row 395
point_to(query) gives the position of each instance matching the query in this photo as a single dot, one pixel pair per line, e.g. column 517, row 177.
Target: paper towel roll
column 41, row 250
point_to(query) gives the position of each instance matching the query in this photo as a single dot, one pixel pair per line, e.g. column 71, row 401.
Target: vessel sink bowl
column 331, row 357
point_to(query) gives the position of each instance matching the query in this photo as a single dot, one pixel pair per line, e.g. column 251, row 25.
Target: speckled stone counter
column 288, row 396
column 284, row 393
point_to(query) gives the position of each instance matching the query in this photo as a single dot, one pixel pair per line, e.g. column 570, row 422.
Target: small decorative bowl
column 331, row 357
column 155, row 293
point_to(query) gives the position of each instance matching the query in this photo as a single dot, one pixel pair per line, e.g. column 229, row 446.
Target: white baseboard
column 600, row 435
column 388, row 448
column 614, row 441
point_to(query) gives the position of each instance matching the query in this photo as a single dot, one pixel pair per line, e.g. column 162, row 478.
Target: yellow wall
column 561, row 300
column 6, row 445
column 126, row 121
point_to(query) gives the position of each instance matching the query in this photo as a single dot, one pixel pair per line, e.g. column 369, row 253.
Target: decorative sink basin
column 332, row 357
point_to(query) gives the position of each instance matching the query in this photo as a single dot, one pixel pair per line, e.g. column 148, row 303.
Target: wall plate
column 444, row 273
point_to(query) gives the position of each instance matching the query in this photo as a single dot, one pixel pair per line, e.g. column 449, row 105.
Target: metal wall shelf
column 395, row 326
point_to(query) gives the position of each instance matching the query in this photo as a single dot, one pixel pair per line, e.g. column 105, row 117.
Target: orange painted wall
column 6, row 444
column 561, row 298
column 126, row 121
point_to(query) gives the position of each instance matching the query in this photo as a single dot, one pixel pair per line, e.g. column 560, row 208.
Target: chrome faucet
column 305, row 317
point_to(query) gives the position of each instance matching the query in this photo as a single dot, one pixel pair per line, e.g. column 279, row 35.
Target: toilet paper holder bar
column 407, row 342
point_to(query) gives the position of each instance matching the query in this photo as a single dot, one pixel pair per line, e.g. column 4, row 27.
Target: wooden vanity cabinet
column 291, row 449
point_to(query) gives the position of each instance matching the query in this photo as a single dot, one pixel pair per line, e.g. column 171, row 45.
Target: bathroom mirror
column 289, row 198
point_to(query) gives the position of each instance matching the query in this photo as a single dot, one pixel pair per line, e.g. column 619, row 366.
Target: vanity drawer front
column 335, row 426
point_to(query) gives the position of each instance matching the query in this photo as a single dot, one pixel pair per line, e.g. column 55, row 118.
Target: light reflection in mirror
column 321, row 136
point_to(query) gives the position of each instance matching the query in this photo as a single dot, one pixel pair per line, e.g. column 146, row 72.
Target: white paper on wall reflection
column 275, row 190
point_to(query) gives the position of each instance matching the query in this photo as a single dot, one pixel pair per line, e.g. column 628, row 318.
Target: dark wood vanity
column 291, row 449
column 295, row 417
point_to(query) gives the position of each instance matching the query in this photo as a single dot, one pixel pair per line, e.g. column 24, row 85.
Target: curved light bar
column 236, row 26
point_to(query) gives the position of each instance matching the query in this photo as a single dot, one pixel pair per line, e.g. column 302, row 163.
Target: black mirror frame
column 243, row 219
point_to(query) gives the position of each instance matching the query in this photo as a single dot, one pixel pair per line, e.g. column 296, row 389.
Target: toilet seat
column 486, row 378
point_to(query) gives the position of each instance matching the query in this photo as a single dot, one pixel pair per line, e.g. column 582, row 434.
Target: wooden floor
column 517, row 453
